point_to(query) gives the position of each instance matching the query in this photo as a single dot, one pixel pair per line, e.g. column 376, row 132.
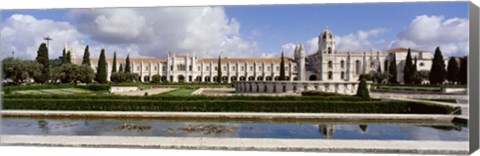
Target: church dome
column 326, row 34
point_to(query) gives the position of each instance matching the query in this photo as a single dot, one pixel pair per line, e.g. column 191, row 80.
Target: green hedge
column 319, row 93
column 37, row 87
column 96, row 87
column 165, row 98
column 226, row 106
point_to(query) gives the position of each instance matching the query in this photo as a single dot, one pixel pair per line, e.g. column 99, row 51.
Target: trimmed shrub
column 319, row 93
column 226, row 106
column 156, row 78
column 362, row 90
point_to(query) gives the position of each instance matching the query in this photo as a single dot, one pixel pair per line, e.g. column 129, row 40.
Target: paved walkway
column 234, row 115
column 417, row 96
column 310, row 145
column 149, row 91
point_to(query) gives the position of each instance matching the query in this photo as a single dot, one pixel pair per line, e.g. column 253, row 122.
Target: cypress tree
column 101, row 76
column 437, row 71
column 64, row 56
column 392, row 70
column 219, row 71
column 127, row 64
column 120, row 68
column 463, row 70
column 42, row 58
column 408, row 69
column 68, row 60
column 114, row 65
column 453, row 70
column 86, row 57
column 282, row 68
column 362, row 90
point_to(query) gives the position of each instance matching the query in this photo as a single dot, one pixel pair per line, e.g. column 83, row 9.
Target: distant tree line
column 63, row 70
column 454, row 73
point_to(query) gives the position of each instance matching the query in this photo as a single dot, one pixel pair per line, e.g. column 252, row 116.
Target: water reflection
column 326, row 130
column 235, row 129
column 363, row 127
column 43, row 125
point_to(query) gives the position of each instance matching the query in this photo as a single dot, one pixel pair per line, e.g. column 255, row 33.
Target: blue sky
column 296, row 23
column 264, row 30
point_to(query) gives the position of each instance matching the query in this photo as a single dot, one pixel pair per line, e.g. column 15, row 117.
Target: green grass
column 179, row 92
column 61, row 91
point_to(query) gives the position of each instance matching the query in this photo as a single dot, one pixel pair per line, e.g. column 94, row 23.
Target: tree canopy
column 437, row 71
column 282, row 68
column 114, row 65
column 464, row 70
column 453, row 70
column 219, row 70
column 127, row 64
column 392, row 70
column 42, row 58
column 408, row 69
column 20, row 70
column 101, row 76
column 86, row 57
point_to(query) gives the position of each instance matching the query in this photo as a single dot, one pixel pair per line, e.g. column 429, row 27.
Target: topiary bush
column 156, row 78
column 362, row 90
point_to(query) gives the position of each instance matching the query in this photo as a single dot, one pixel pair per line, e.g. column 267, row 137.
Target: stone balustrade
column 348, row 88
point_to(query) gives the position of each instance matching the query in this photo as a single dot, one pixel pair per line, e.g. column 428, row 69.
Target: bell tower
column 326, row 42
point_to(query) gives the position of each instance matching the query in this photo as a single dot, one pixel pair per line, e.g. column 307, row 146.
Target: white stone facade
column 327, row 65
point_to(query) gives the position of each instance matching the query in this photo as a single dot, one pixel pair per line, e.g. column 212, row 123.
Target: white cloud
column 428, row 32
column 206, row 31
column 288, row 48
column 360, row 41
column 24, row 33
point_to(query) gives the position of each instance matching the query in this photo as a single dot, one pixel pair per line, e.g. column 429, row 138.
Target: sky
column 236, row 31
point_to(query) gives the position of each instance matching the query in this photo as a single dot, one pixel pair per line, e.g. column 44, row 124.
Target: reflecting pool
column 236, row 129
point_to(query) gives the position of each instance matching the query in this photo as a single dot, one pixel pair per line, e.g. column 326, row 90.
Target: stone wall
column 348, row 88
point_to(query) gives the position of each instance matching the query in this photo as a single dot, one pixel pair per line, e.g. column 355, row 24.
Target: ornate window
column 358, row 65
column 181, row 67
column 330, row 64
column 329, row 50
column 330, row 75
column 342, row 75
column 342, row 64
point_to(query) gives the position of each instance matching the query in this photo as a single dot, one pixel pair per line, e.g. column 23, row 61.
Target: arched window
column 357, row 66
column 325, row 36
column 330, row 75
column 329, row 50
column 385, row 66
column 330, row 64
column 342, row 75
column 342, row 64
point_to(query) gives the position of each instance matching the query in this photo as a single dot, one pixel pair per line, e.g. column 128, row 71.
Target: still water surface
column 235, row 129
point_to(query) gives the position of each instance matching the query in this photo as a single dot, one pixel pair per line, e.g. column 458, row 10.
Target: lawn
column 55, row 91
column 180, row 92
